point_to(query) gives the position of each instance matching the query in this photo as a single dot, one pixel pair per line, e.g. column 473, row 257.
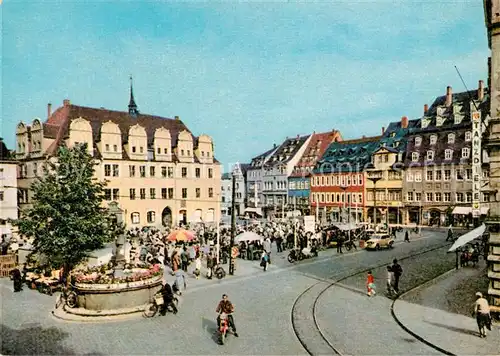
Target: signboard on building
column 476, row 164
column 309, row 223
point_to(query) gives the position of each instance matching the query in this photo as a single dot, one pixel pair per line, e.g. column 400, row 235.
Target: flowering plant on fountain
column 133, row 273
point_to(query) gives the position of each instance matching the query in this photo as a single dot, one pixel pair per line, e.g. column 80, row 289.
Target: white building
column 254, row 181
column 278, row 167
column 239, row 171
column 8, row 191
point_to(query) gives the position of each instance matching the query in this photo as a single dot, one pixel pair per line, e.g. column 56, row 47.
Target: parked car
column 378, row 241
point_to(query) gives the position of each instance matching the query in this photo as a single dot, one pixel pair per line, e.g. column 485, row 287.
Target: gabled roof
column 396, row 137
column 226, row 176
column 348, row 156
column 317, row 146
column 286, row 151
column 57, row 125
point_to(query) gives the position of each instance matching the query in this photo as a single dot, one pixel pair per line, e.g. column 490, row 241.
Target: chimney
column 426, row 108
column 298, row 136
column 449, row 98
column 176, row 117
column 274, row 145
column 480, row 91
column 49, row 110
column 383, row 130
column 404, row 122
column 66, row 102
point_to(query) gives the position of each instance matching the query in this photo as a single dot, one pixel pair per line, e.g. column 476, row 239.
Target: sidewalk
column 439, row 312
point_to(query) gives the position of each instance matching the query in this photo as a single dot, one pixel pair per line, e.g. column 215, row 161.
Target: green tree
column 67, row 218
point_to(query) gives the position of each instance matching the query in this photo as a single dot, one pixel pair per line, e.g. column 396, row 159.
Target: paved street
column 263, row 300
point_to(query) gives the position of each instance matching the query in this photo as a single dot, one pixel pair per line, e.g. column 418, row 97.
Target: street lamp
column 374, row 180
column 117, row 216
column 233, row 222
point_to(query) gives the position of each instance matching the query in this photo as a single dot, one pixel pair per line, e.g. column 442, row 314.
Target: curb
column 405, row 328
column 64, row 316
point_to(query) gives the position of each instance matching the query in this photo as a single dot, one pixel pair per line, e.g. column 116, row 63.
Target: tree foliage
column 67, row 219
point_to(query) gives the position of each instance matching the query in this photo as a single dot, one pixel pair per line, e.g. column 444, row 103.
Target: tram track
column 313, row 294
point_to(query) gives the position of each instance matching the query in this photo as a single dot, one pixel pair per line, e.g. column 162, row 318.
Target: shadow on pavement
column 210, row 326
column 33, row 340
column 453, row 328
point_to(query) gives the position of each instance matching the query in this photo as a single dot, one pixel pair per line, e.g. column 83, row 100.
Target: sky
column 249, row 74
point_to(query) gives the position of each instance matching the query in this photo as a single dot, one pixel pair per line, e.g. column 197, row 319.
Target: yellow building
column 158, row 172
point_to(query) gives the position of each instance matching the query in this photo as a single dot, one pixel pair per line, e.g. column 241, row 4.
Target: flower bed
column 105, row 275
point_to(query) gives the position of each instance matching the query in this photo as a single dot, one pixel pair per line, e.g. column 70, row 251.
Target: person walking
column 390, row 281
column 267, row 249
column 407, row 236
column 370, row 284
column 340, row 242
column 210, row 265
column 398, row 271
column 482, row 312
column 264, row 260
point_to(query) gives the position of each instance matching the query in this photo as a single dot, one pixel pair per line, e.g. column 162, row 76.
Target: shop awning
column 257, row 211
column 468, row 237
column 466, row 210
column 346, row 227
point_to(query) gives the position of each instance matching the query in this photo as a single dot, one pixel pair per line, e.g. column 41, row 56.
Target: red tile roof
column 314, row 151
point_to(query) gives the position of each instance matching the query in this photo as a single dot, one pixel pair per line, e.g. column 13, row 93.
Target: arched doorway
column 166, row 217
column 183, row 217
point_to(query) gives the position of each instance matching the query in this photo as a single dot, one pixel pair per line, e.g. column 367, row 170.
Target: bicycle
column 154, row 306
column 67, row 297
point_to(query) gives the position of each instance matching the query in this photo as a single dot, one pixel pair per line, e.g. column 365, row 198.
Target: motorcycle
column 223, row 327
column 153, row 307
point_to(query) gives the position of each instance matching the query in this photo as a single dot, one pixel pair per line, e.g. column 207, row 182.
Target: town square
column 251, row 178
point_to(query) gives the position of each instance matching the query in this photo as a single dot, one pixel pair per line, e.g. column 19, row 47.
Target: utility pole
column 233, row 223
column 374, row 180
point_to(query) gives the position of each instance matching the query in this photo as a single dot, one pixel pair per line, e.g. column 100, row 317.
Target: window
column 184, row 172
column 197, row 172
column 131, row 171
column 210, row 192
column 158, row 150
column 418, row 141
column 142, row 171
column 151, row 171
column 1, row 173
column 115, row 148
column 182, row 152
column 141, row 149
column 448, row 154
column 418, row 196
column 460, row 197
column 198, row 192
column 184, row 193
column 468, row 174
column 447, row 174
column 135, row 217
column 409, row 176
column 132, row 193
column 469, row 197
column 35, row 169
column 164, row 172
column 152, row 193
column 208, row 154
column 414, row 156
column 107, row 194
column 116, row 170
column 437, row 197
column 188, row 152
column 133, row 149
column 465, row 152
column 171, row 193
column 116, row 194
column 210, row 173
column 164, row 193
column 451, row 138
column 170, row 172
column 429, row 175
column 418, row 176
column 433, row 139
column 106, row 148
column 107, row 170
column 459, row 174
column 430, row 155
column 142, row 192
column 151, row 216
column 428, row 196
column 468, row 136
column 437, row 175
column 165, row 151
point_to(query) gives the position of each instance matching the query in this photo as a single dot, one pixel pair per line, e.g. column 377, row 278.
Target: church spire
column 132, row 106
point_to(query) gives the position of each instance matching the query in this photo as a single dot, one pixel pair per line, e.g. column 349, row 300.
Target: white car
column 377, row 241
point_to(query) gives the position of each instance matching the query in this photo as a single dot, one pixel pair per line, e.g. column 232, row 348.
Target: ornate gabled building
column 255, row 181
column 384, row 177
column 298, row 182
column 157, row 170
column 277, row 169
column 338, row 182
column 239, row 171
column 438, row 180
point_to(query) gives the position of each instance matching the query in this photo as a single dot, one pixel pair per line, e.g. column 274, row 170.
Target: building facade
column 299, row 180
column 438, row 164
column 277, row 169
column 492, row 20
column 239, row 171
column 158, row 172
column 226, row 191
column 338, row 182
column 255, row 178
column 8, row 191
column 384, row 178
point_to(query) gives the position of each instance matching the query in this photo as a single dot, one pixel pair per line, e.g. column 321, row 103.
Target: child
column 197, row 268
column 370, row 284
